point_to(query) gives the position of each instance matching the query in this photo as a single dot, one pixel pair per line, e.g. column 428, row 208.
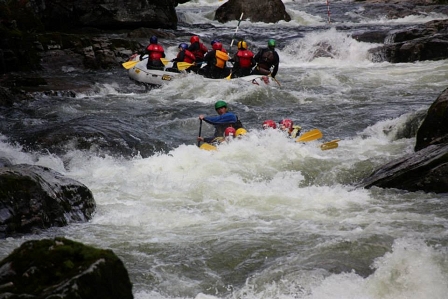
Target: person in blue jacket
column 224, row 120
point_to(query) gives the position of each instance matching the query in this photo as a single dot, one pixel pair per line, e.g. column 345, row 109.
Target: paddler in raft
column 222, row 121
column 183, row 56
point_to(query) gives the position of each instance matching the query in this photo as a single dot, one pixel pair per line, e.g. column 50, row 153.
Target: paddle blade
column 328, row 145
column 229, row 76
column 310, row 136
column 183, row 65
column 164, row 61
column 129, row 64
column 208, row 147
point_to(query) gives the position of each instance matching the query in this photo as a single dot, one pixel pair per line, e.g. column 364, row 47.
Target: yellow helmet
column 242, row 45
column 240, row 131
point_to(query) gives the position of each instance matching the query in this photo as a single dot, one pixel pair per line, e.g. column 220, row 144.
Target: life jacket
column 266, row 59
column 295, row 131
column 189, row 57
column 200, row 51
column 155, row 51
column 221, row 59
column 245, row 58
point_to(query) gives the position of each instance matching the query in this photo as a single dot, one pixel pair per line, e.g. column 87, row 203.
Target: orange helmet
column 230, row 132
column 194, row 39
column 269, row 124
column 286, row 124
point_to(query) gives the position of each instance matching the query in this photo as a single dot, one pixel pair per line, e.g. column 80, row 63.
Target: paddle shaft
column 236, row 29
column 200, row 131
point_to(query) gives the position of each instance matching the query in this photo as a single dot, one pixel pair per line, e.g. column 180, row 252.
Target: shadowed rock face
column 61, row 268
column 434, row 129
column 268, row 11
column 424, row 42
column 427, row 168
column 35, row 197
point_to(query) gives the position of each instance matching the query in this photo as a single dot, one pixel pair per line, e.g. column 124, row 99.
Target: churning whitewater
column 264, row 216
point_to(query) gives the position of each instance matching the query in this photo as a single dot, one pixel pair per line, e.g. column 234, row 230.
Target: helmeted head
column 183, row 46
column 271, row 43
column 217, row 46
column 269, row 124
column 229, row 132
column 286, row 124
column 214, row 41
column 220, row 104
column 240, row 132
column 242, row 45
column 194, row 39
column 153, row 39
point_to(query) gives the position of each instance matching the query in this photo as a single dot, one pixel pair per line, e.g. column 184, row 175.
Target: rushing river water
column 263, row 217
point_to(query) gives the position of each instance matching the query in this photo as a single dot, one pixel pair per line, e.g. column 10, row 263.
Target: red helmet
column 230, row 132
column 269, row 124
column 217, row 46
column 194, row 39
column 286, row 123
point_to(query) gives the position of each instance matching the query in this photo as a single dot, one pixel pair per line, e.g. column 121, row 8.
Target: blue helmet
column 183, row 46
column 214, row 41
column 153, row 40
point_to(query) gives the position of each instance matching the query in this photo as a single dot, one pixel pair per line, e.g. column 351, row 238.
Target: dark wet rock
column 434, row 129
column 35, row 197
column 427, row 168
column 268, row 11
column 62, row 268
column 423, row 42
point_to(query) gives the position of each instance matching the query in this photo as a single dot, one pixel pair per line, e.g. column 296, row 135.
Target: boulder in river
column 62, row 268
column 35, row 197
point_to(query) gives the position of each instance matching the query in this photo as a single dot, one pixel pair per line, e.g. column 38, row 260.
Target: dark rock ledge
column 427, row 168
column 35, row 197
column 62, row 268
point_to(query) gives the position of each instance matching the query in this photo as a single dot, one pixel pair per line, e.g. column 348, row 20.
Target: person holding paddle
column 154, row 52
column 221, row 122
column 183, row 56
column 266, row 59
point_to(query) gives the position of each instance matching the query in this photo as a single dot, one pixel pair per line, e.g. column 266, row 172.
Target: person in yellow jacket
column 216, row 60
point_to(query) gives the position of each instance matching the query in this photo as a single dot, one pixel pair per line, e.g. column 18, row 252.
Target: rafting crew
column 285, row 125
column 154, row 52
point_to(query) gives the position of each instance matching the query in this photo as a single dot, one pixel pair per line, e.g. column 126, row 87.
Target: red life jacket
column 245, row 57
column 199, row 53
column 189, row 57
column 155, row 51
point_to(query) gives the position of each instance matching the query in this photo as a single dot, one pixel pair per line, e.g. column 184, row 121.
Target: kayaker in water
column 221, row 122
column 184, row 56
column 288, row 126
column 216, row 63
column 243, row 61
column 154, row 52
column 266, row 59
